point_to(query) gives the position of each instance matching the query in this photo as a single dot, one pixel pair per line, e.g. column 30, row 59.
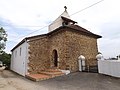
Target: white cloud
column 23, row 17
column 109, row 47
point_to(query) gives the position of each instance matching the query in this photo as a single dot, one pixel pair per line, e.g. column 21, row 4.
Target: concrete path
column 73, row 81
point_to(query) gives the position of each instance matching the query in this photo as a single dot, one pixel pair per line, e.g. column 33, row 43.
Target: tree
column 5, row 58
column 3, row 39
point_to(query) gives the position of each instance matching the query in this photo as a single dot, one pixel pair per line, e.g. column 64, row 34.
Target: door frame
column 55, row 58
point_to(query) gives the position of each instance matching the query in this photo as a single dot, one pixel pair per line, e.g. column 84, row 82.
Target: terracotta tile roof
column 72, row 28
column 67, row 19
column 83, row 30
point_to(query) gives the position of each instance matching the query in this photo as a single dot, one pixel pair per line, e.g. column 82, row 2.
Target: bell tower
column 63, row 19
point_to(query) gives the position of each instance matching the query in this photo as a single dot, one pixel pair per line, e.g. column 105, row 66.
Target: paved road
column 73, row 81
column 83, row 81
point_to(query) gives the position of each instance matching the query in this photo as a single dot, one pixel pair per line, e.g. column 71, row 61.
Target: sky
column 24, row 18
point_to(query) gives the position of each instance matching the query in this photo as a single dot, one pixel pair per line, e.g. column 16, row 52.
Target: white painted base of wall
column 65, row 71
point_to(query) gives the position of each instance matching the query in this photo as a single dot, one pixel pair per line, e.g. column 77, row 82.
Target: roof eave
column 67, row 19
column 92, row 34
column 19, row 44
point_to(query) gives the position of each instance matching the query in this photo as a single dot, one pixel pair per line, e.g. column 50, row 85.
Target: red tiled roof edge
column 81, row 29
column 74, row 27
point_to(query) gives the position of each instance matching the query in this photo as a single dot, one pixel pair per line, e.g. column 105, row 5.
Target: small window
column 15, row 53
column 20, row 51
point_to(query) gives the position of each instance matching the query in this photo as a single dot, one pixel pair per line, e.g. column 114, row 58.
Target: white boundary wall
column 109, row 67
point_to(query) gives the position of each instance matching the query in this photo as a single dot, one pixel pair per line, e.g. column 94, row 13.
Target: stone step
column 47, row 74
column 52, row 73
column 53, row 70
column 38, row 77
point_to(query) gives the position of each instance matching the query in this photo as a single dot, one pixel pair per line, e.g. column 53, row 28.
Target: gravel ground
column 73, row 81
column 12, row 81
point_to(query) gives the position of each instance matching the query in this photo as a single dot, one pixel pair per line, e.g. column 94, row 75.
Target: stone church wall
column 57, row 41
column 69, row 46
column 78, row 44
column 38, row 54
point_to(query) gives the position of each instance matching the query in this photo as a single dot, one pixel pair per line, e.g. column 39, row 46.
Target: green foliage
column 3, row 39
column 5, row 58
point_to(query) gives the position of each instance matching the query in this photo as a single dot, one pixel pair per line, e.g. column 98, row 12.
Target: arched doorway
column 55, row 58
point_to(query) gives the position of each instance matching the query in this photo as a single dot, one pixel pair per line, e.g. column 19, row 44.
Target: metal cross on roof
column 65, row 8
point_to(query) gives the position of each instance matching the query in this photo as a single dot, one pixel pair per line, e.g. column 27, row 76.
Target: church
column 59, row 48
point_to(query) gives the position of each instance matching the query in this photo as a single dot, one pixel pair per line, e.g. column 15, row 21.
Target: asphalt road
column 73, row 81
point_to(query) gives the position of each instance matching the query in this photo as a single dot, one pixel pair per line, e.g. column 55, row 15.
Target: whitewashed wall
column 58, row 22
column 109, row 67
column 19, row 61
